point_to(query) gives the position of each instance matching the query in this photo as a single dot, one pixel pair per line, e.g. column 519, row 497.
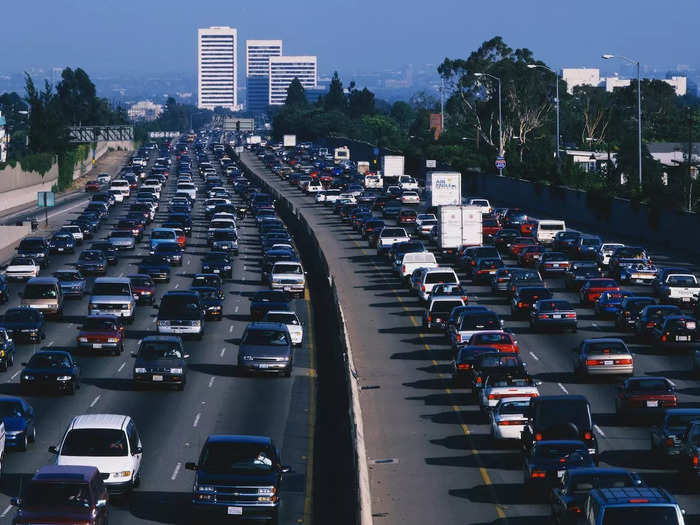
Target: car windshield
column 168, row 247
column 550, row 226
column 20, row 314
column 561, row 412
column 440, row 277
column 162, row 234
column 207, row 293
column 141, row 281
column 179, row 307
column 513, row 407
column 590, row 242
column 121, row 234
column 205, row 280
column 628, row 252
column 152, row 350
column 95, row 442
column 681, row 280
column 40, row 291
column 56, row 495
column 444, row 306
column 681, row 420
column 526, row 275
column 554, row 306
column 32, row 245
column 97, row 324
column 501, row 381
column 609, row 347
column 480, row 322
column 393, row 232
column 640, row 515
column 284, row 318
column 583, row 484
column 9, row 408
column 234, row 458
column 102, row 288
column 22, row 261
column 227, row 235
column 648, row 385
column 556, row 451
column 49, row 361
column 534, row 293
column 265, row 338
column 288, row 268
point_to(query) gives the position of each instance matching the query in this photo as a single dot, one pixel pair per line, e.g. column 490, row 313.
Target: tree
column 335, row 98
column 403, row 114
column 360, row 103
column 296, row 96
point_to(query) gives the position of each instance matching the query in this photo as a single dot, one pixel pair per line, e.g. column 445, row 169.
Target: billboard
column 289, row 141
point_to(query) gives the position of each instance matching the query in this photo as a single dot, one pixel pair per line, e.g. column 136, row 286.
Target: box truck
column 458, row 226
column 342, row 153
column 289, row 141
column 362, row 167
column 443, row 188
column 392, row 167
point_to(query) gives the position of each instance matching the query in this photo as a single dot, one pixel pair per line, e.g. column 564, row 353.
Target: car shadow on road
column 424, row 355
column 491, row 460
column 451, row 399
column 503, row 494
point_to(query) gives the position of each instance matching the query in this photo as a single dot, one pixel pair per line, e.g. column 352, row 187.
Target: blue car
column 156, row 267
column 3, row 289
column 18, row 417
column 62, row 243
column 72, row 282
column 7, row 350
column 609, row 303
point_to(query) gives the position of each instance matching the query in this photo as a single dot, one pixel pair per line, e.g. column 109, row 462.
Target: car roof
column 632, row 495
column 266, row 325
column 120, row 280
column 111, row 421
column 42, row 280
column 233, row 438
column 64, row 472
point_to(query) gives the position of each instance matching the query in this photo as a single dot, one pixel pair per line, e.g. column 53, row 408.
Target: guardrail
column 327, row 293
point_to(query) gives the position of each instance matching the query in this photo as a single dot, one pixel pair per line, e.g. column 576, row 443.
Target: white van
column 545, row 230
column 484, row 204
column 406, row 182
column 433, row 276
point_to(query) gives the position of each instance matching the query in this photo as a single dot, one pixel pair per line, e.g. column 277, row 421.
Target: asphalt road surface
column 429, row 451
column 173, row 425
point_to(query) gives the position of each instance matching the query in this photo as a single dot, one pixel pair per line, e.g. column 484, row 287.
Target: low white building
column 673, row 153
column 145, row 110
column 582, row 76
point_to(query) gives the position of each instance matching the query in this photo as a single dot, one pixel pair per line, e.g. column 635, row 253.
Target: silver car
column 604, row 356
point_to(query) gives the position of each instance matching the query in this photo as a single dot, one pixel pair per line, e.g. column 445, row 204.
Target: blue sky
column 107, row 36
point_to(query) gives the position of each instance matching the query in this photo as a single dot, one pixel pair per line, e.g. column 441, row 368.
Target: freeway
column 173, row 425
column 429, row 451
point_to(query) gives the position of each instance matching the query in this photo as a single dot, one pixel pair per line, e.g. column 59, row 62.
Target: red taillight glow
column 538, row 474
column 669, row 442
column 463, row 366
column 623, row 361
column 587, row 436
column 696, row 460
column 638, row 500
column 594, row 362
column 538, row 437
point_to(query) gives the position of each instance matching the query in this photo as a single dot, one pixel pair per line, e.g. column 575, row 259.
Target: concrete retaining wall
column 10, row 237
column 669, row 230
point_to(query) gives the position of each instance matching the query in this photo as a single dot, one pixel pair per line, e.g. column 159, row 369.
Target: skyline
column 160, row 37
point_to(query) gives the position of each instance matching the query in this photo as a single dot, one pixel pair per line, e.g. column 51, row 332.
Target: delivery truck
column 443, row 188
column 362, row 167
column 458, row 226
column 392, row 168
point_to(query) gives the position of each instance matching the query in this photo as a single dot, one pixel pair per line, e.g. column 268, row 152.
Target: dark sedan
column 549, row 462
column 160, row 360
column 92, row 262
column 18, row 417
column 553, row 314
column 212, row 304
column 219, row 263
column 24, row 323
column 51, row 369
column 156, row 267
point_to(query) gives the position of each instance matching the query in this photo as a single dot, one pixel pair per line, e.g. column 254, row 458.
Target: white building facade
column 217, row 68
column 284, row 69
column 145, row 110
column 591, row 77
column 257, row 70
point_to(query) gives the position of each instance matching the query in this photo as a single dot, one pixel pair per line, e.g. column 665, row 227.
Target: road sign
column 431, row 164
column 500, row 163
column 375, row 151
column 45, row 199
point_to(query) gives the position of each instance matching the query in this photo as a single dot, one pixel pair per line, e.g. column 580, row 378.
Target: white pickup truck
column 388, row 237
column 505, row 387
column 411, row 261
column 680, row 289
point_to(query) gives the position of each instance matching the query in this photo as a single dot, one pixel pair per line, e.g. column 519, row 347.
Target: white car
column 480, row 203
column 605, row 252
column 22, row 268
column 422, row 217
column 433, row 276
column 109, row 442
column 75, row 231
column 390, row 236
column 288, row 276
column 406, row 182
column 121, row 185
column 508, row 417
column 410, row 197
column 290, row 320
column 505, row 387
column 104, row 178
column 188, row 188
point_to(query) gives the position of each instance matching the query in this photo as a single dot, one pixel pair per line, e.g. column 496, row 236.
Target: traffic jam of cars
column 171, row 200
column 461, row 257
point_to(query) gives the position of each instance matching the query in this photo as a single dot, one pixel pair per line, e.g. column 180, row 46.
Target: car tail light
column 588, row 436
column 538, row 474
column 465, row 298
column 623, row 361
column 650, row 325
column 403, row 269
column 511, row 422
column 571, row 316
column 478, row 379
column 538, row 437
column 669, row 442
column 493, row 396
column 473, row 263
column 464, row 366
column 501, row 280
column 575, row 509
column 459, row 338
column 422, row 287
column 696, row 460
column 520, row 305
column 664, row 337
column 593, row 362
column 430, row 318
column 542, row 316
column 638, row 500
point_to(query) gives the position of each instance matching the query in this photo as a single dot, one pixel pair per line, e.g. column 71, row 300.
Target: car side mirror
column 17, row 502
column 53, row 449
column 134, row 354
column 138, row 450
column 284, row 469
column 186, row 356
column 101, row 503
column 191, row 466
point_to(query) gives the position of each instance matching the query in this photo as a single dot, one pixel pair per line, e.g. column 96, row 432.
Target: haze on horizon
column 154, row 36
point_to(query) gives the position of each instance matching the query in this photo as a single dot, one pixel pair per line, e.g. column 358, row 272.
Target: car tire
column 32, row 435
column 22, row 446
column 3, row 366
column 71, row 389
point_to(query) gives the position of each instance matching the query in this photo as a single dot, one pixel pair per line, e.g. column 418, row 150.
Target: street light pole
column 608, row 56
column 500, row 116
column 556, row 87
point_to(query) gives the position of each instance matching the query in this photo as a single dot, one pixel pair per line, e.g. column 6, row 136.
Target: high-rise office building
column 257, row 70
column 217, row 68
column 284, row 69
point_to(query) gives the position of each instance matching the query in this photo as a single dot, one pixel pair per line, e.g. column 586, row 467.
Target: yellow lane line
column 463, row 426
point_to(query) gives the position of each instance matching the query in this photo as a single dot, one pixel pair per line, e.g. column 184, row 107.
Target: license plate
column 492, row 272
column 97, row 345
column 555, row 265
column 560, row 473
column 608, row 363
column 652, row 404
column 157, row 378
column 60, row 249
column 287, row 288
column 686, row 299
column 682, row 338
column 217, row 271
column 235, row 511
column 556, row 316
column 263, row 365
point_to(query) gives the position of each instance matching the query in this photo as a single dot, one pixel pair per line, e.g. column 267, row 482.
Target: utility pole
column 690, row 160
column 442, row 104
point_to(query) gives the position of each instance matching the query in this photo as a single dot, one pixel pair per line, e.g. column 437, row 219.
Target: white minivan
column 109, row 442
column 545, row 230
column 122, row 186
column 433, row 276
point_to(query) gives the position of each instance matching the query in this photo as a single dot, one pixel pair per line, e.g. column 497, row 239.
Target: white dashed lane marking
column 563, row 388
column 196, row 420
column 534, row 357
column 95, row 401
column 176, row 471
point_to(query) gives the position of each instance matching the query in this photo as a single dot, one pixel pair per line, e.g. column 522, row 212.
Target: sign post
column 500, row 164
column 46, row 200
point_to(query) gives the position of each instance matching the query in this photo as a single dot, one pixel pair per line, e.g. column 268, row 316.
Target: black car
column 156, row 267
column 4, row 294
column 549, row 460
column 502, row 239
column 495, row 363
column 51, row 369
column 265, row 300
column 209, row 280
column 160, row 360
column 171, row 251
column 35, row 247
column 568, row 500
column 212, row 303
column 559, row 417
column 630, row 310
column 525, row 298
column 24, row 324
column 219, row 263
column 651, row 316
column 579, row 273
column 108, row 249
column 62, row 243
column 91, row 262
column 243, row 473
column 463, row 363
column 183, row 220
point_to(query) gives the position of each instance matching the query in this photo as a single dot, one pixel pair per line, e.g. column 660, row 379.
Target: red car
column 92, row 186
column 526, row 228
column 101, row 332
column 590, row 291
column 407, row 217
column 181, row 237
column 645, row 396
column 143, row 287
column 501, row 341
column 490, row 226
column 530, row 255
column 520, row 243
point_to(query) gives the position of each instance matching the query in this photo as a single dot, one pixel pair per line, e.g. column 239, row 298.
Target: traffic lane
column 405, row 435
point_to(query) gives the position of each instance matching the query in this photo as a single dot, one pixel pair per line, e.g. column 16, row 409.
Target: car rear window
column 445, row 306
column 393, row 232
column 440, row 277
column 480, row 322
column 555, row 412
column 606, row 348
column 640, row 515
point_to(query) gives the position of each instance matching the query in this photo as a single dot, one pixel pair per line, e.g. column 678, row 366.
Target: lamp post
column 500, row 116
column 556, row 86
column 608, row 56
